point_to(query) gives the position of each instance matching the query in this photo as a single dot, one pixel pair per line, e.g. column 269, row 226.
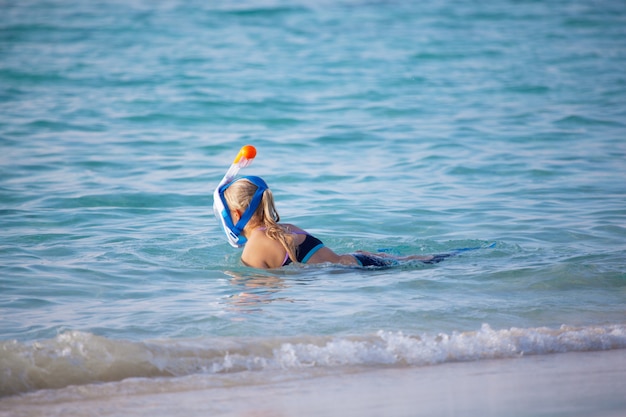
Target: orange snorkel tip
column 247, row 152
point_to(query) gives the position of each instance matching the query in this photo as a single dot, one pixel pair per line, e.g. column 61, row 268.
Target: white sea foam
column 76, row 358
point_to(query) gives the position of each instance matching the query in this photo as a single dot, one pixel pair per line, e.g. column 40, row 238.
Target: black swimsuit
column 306, row 249
column 311, row 244
column 380, row 262
column 372, row 260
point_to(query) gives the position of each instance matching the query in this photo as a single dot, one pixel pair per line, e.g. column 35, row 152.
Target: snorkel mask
column 220, row 207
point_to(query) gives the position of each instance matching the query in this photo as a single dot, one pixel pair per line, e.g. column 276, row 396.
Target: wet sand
column 569, row 384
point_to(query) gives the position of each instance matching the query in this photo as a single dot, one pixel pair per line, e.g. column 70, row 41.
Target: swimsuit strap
column 306, row 249
column 313, row 245
column 287, row 260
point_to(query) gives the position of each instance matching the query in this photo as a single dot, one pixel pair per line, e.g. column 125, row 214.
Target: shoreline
column 568, row 384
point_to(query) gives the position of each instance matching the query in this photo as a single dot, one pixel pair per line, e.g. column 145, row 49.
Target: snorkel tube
column 220, row 207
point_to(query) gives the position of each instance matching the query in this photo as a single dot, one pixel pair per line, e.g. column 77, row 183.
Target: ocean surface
column 403, row 126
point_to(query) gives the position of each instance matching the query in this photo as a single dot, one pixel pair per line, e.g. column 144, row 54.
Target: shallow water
column 395, row 126
column 572, row 384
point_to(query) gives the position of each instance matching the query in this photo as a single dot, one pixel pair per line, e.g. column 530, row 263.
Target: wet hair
column 238, row 196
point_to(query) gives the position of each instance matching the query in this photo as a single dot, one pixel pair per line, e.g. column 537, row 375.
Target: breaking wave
column 78, row 358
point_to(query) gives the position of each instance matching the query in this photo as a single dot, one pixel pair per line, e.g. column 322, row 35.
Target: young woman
column 250, row 219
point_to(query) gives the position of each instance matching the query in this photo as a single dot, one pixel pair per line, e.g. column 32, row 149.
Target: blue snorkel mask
column 222, row 211
column 220, row 207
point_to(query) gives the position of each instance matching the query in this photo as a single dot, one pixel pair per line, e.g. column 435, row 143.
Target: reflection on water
column 256, row 291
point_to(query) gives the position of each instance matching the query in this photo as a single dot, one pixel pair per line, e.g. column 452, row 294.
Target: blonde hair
column 238, row 196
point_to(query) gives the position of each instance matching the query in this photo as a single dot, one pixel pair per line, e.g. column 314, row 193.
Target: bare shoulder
column 262, row 252
column 292, row 228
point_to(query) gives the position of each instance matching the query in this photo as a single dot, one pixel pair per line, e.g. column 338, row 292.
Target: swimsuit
column 377, row 261
column 306, row 249
column 380, row 262
column 310, row 245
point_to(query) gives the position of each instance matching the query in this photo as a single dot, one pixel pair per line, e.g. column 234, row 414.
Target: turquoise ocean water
column 413, row 127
